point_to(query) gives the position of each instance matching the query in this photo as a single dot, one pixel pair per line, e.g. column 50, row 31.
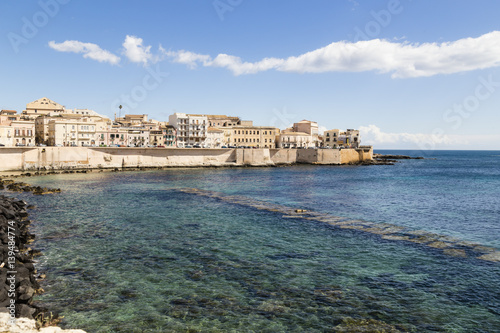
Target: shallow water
column 129, row 252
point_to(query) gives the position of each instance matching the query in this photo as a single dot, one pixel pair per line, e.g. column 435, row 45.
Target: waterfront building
column 253, row 136
column 170, row 135
column 341, row 139
column 215, row 137
column 309, row 127
column 138, row 137
column 15, row 130
column 71, row 131
column 191, row 128
column 291, row 139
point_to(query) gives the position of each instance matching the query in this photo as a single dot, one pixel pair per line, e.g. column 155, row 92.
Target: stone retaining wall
column 62, row 158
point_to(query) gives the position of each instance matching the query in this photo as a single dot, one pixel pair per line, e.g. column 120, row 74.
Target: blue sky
column 409, row 74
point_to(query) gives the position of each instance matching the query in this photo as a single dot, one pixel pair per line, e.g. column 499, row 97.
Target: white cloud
column 89, row 50
column 135, row 51
column 373, row 135
column 400, row 59
column 403, row 59
column 187, row 58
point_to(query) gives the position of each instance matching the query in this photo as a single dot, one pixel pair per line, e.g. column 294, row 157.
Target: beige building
column 75, row 132
column 16, row 131
column 310, row 128
column 253, row 136
column 336, row 138
column 215, row 138
column 42, row 106
column 223, row 121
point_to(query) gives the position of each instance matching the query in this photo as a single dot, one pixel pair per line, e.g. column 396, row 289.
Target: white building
column 291, row 139
column 191, row 128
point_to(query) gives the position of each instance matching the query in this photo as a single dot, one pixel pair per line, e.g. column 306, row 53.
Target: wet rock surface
column 379, row 159
column 11, row 185
column 19, row 279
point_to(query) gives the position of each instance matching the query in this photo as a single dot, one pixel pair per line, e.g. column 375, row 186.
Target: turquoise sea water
column 129, row 252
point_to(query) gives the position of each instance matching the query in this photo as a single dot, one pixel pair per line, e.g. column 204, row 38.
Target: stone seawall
column 64, row 158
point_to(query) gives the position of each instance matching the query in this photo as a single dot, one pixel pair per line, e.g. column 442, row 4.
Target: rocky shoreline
column 19, row 279
column 380, row 159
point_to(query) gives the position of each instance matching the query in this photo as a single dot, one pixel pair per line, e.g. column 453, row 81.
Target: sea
column 137, row 252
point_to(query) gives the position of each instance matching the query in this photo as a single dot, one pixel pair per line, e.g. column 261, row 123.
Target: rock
column 352, row 325
column 25, row 311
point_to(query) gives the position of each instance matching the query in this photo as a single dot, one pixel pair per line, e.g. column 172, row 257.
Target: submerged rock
column 352, row 325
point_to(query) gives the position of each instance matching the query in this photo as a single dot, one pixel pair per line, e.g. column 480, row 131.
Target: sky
column 408, row 74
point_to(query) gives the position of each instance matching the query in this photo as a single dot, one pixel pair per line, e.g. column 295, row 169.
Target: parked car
column 196, row 146
column 160, row 146
column 188, row 146
column 224, row 147
column 2, row 145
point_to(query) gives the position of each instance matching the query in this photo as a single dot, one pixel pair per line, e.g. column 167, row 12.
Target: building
column 16, row 131
column 290, row 139
column 42, row 106
column 70, row 131
column 137, row 137
column 215, row 138
column 223, row 121
column 191, row 128
column 310, row 128
column 169, row 135
column 253, row 136
column 337, row 139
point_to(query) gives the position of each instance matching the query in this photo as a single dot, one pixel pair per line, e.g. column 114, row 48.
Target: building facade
column 341, row 139
column 215, row 138
column 191, row 128
column 253, row 136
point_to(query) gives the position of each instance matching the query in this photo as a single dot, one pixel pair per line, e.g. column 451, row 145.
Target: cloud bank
column 373, row 135
column 399, row 59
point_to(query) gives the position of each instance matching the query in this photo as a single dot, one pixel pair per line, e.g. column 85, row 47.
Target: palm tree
column 120, row 112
